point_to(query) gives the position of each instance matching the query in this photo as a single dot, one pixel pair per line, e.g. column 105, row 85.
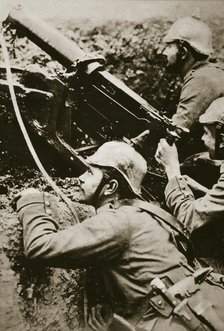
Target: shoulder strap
column 184, row 241
column 164, row 216
column 216, row 65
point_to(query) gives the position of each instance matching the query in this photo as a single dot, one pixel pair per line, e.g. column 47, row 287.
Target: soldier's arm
column 192, row 212
column 196, row 95
column 178, row 195
column 98, row 239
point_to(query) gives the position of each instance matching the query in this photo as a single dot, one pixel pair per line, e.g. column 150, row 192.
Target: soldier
column 134, row 251
column 188, row 47
column 205, row 213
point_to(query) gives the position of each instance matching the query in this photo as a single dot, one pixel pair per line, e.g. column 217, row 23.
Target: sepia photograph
column 111, row 165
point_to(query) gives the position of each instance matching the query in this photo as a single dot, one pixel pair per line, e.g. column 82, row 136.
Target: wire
column 25, row 133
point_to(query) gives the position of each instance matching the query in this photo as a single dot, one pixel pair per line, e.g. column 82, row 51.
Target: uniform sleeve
column 191, row 212
column 99, row 239
column 196, row 95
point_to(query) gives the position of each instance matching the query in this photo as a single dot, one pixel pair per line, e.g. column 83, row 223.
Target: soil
column 32, row 297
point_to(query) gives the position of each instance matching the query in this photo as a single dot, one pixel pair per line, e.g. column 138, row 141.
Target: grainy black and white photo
column 112, row 165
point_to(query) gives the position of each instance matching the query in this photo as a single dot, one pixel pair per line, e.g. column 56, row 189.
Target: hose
column 25, row 133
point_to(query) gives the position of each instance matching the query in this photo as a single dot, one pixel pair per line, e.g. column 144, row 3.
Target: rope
column 25, row 133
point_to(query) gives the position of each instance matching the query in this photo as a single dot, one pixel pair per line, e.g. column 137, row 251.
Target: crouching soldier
column 203, row 216
column 188, row 49
column 146, row 278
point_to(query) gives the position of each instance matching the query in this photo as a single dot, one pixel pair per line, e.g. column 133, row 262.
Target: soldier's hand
column 21, row 194
column 198, row 189
column 167, row 156
column 26, row 192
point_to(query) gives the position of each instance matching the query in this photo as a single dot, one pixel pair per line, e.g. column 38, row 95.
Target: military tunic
column 127, row 245
column 202, row 84
column 203, row 216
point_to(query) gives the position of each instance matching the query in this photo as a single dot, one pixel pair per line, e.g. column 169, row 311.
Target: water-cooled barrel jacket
column 129, row 246
column 202, row 84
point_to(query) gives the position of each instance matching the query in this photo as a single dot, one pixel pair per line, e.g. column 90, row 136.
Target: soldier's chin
column 212, row 154
column 174, row 68
column 78, row 197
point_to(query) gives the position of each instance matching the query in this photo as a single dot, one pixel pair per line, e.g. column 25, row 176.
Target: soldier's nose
column 80, row 180
column 164, row 51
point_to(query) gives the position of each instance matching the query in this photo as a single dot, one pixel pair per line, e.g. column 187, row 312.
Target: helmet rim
column 193, row 31
column 124, row 159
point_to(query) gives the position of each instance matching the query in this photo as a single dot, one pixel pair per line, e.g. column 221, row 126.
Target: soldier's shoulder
column 206, row 70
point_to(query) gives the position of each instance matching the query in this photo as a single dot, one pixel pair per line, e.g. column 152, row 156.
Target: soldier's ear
column 222, row 140
column 184, row 53
column 111, row 187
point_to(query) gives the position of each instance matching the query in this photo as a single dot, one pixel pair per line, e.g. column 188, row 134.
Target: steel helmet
column 125, row 159
column 214, row 113
column 195, row 32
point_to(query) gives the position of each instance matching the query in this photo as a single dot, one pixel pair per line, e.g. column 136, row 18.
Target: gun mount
column 86, row 105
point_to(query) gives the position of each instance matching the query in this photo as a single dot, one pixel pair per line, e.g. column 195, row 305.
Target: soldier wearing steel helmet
column 188, row 49
column 202, row 216
column 125, row 241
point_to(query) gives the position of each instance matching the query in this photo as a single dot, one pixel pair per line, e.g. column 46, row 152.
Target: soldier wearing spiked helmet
column 188, row 49
column 126, row 242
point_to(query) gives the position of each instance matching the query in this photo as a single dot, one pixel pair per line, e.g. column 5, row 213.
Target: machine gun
column 86, row 105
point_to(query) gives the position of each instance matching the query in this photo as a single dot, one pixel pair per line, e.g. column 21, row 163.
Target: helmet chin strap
column 96, row 195
column 106, row 178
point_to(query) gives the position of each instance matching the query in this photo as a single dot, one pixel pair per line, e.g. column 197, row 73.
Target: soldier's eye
column 89, row 170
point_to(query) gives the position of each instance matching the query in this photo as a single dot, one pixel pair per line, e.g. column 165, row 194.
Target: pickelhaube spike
column 140, row 139
column 139, row 142
column 196, row 14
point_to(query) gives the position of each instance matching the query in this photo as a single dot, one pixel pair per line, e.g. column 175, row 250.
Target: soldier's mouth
column 76, row 195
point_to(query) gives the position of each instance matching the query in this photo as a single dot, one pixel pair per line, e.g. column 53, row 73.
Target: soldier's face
column 172, row 54
column 209, row 138
column 88, row 184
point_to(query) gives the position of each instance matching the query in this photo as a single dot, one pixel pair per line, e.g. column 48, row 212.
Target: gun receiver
column 87, row 98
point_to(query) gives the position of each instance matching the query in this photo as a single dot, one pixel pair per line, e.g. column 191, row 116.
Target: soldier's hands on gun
column 167, row 156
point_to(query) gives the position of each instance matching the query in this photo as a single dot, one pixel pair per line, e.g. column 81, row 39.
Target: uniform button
column 47, row 195
column 48, row 211
column 47, row 203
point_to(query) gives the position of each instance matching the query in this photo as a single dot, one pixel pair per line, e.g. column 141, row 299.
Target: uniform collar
column 199, row 64
column 196, row 66
column 117, row 204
